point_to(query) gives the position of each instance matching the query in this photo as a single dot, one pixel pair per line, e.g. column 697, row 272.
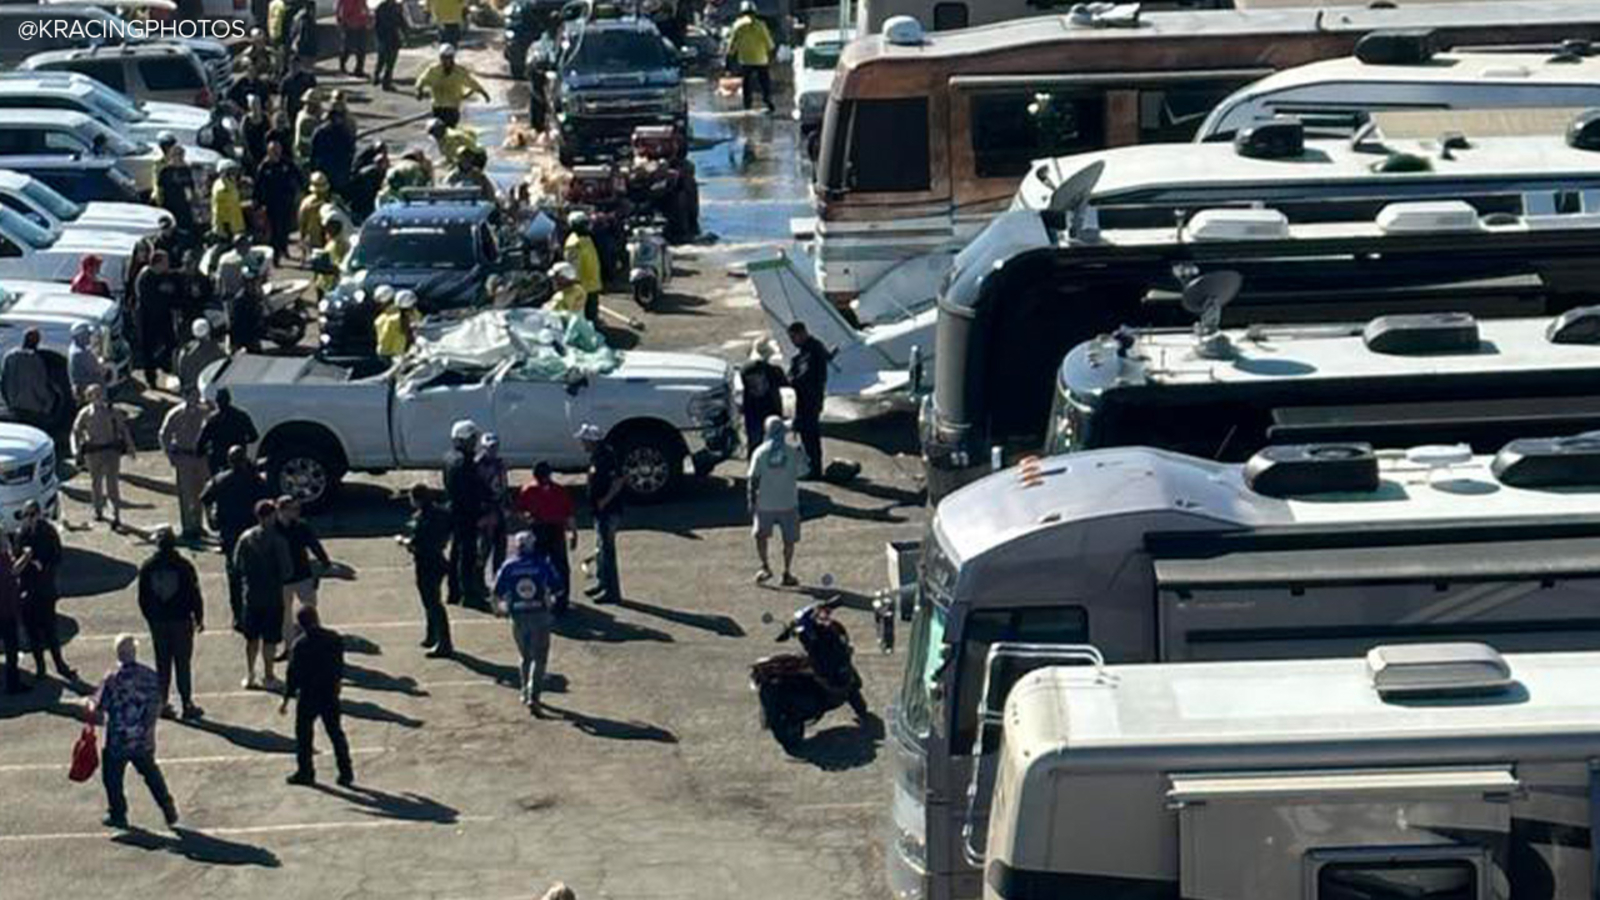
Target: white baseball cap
column 464, row 430
column 200, row 328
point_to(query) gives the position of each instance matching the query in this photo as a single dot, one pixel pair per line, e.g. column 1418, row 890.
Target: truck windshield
column 47, row 197
column 618, row 51
column 926, row 655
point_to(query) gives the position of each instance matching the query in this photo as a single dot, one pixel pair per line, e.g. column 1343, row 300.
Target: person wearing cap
column 772, row 483
column 84, row 368
column 355, row 23
column 606, row 483
column 31, row 395
column 450, row 16
column 426, row 537
column 100, row 438
column 389, row 27
column 808, row 375
column 750, row 46
column 497, row 494
column 278, row 184
column 548, row 509
column 524, row 591
column 175, row 611
column 300, row 82
column 447, row 83
column 469, row 503
column 395, row 327
column 261, row 557
column 38, row 551
column 451, row 141
column 199, row 351
column 156, row 297
column 762, row 396
column 180, row 441
column 227, row 208
column 305, row 125
column 569, row 296
column 87, row 280
column 580, row 250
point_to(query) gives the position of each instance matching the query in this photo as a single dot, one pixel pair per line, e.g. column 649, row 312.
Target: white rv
column 1444, row 772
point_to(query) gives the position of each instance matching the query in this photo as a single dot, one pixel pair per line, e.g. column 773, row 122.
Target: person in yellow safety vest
column 396, row 325
column 569, row 296
column 278, row 22
column 750, row 46
column 311, row 236
column 227, row 209
column 336, row 249
column 451, row 141
column 449, row 85
column 580, row 251
column 449, row 15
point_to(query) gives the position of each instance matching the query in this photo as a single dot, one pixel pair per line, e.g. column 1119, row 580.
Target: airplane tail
column 787, row 296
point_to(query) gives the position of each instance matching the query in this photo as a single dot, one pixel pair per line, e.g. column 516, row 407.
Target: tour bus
column 1337, row 96
column 926, row 134
column 1034, row 284
column 1396, row 381
column 1305, row 551
column 1446, row 772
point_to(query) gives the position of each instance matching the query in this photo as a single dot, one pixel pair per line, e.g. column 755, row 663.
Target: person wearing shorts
column 773, row 484
column 264, row 565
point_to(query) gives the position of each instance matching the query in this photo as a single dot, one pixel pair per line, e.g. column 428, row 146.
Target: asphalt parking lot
column 654, row 779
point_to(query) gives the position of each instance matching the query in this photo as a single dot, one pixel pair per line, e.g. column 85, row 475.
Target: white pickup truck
column 517, row 373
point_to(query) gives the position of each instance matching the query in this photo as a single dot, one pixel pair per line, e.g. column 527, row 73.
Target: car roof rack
column 439, row 195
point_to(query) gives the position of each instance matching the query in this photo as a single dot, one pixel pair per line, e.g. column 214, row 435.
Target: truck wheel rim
column 303, row 478
column 646, row 470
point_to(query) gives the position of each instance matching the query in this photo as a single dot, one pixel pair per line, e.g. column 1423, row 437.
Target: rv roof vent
column 1416, row 333
column 1238, row 225
column 1289, row 470
column 903, row 31
column 1572, row 51
column 1584, row 132
column 1575, row 326
column 1549, row 462
column 1283, row 138
column 1407, row 47
column 1428, row 217
column 1505, row 72
column 1419, row 670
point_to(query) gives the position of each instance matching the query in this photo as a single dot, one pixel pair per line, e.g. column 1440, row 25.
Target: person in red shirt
column 355, row 23
column 88, row 280
column 552, row 518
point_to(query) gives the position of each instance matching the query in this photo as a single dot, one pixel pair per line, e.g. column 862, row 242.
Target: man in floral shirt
column 129, row 703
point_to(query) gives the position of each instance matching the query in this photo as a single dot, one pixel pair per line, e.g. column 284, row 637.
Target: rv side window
column 1174, row 113
column 1011, row 129
column 1439, row 879
column 1035, row 625
column 888, row 146
column 948, row 16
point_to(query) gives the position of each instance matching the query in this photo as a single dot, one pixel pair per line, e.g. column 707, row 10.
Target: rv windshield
column 926, row 656
column 858, row 136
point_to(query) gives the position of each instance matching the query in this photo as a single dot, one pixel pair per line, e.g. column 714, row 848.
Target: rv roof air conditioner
column 903, row 31
column 1289, row 470
column 1407, row 47
column 1418, row 333
column 1400, row 671
column 1550, row 462
column 1584, row 132
column 1575, row 326
column 1282, row 138
column 1429, row 217
column 1238, row 225
column 1104, row 15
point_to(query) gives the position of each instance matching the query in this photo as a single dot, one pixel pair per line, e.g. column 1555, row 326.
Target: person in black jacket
column 170, row 600
column 333, row 149
column 808, row 375
column 228, row 427
column 761, row 381
column 427, row 534
column 232, row 498
column 316, row 668
column 38, row 561
column 278, row 185
column 389, row 28
column 468, row 505
column 156, row 295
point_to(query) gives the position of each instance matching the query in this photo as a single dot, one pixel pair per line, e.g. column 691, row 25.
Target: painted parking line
column 188, row 760
column 105, row 834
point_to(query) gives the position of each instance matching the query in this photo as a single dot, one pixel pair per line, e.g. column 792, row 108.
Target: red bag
column 85, row 755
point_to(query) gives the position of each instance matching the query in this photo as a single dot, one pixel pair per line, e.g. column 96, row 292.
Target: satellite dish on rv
column 1205, row 298
column 1071, row 200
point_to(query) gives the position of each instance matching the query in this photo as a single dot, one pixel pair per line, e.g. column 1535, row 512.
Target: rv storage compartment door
column 1342, row 834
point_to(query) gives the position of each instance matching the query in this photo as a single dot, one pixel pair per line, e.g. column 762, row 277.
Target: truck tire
column 651, row 457
column 306, row 465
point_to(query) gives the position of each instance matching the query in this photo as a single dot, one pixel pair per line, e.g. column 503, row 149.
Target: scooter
column 649, row 263
column 285, row 311
column 789, row 687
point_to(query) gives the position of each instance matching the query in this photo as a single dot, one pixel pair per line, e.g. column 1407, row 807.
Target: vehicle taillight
column 203, row 99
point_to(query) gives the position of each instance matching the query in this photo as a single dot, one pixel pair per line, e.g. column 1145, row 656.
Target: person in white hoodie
column 774, row 496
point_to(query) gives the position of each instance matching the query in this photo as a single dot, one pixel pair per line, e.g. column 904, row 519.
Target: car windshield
column 618, row 51
column 46, row 196
column 113, row 105
column 20, row 227
column 119, row 145
column 823, row 55
column 414, row 247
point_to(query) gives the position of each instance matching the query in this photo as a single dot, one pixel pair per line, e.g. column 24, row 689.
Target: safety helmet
column 406, row 299
column 577, row 218
column 525, row 542
column 437, row 127
column 383, row 294
column 447, row 50
column 319, row 179
column 464, row 430
column 200, row 328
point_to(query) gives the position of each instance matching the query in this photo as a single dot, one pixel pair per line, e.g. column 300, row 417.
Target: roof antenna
column 1071, row 199
column 1206, row 297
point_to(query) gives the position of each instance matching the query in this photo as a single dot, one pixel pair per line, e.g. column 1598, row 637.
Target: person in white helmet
column 448, row 84
column 580, row 251
column 568, row 295
column 199, row 351
column 750, row 46
column 469, row 503
column 396, row 324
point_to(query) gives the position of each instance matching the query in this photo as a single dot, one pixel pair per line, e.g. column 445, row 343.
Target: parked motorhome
column 947, row 15
column 1437, row 771
column 967, row 111
column 1305, row 551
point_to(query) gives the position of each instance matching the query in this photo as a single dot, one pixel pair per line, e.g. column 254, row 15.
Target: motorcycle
column 649, row 263
column 285, row 313
column 794, row 689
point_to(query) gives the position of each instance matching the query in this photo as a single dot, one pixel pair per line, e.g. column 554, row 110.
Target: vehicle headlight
column 15, row 475
column 710, row 405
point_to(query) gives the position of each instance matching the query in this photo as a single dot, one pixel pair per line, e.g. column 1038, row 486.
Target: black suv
column 612, row 75
column 441, row 243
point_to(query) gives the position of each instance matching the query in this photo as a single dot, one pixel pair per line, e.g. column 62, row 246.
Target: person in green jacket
column 750, row 47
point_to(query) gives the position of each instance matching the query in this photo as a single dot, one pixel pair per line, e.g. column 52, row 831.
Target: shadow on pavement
column 499, row 672
column 355, row 643
column 379, row 680
column 200, row 847
column 364, row 510
column 613, row 729
column 372, row 712
column 842, row 746
column 586, row 623
column 88, row 572
column 47, row 697
column 716, row 624
column 257, row 739
column 408, row 807
column 153, row 485
column 673, row 303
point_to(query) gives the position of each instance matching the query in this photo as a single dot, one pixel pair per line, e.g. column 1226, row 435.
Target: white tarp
column 548, row 345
